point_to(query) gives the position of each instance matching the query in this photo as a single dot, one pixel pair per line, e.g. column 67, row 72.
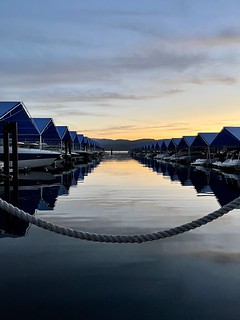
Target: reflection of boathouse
column 39, row 191
column 225, row 187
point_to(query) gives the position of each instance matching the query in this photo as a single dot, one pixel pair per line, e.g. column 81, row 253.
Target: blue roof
column 155, row 145
column 80, row 138
column 73, row 135
column 47, row 130
column 204, row 139
column 186, row 141
column 63, row 132
column 159, row 144
column 42, row 123
column 228, row 137
column 235, row 131
column 17, row 112
column 165, row 143
column 6, row 106
column 174, row 143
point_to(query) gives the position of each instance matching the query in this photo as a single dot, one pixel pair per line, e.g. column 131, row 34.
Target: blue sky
column 126, row 69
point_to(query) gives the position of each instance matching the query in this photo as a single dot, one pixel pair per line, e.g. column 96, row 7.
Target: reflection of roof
column 44, row 206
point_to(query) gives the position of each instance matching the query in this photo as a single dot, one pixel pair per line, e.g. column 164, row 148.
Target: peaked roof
column 186, row 141
column 235, row 131
column 204, row 139
column 159, row 144
column 15, row 111
column 228, row 136
column 42, row 123
column 47, row 130
column 174, row 143
column 63, row 132
column 6, row 106
column 165, row 143
column 73, row 135
column 80, row 138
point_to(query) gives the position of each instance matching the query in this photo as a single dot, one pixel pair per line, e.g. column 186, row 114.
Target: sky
column 126, row 69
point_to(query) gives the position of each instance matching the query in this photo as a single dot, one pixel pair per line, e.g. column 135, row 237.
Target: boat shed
column 86, row 143
column 174, row 143
column 93, row 144
column 15, row 111
column 204, row 139
column 227, row 137
column 74, row 139
column 63, row 134
column 80, row 140
column 159, row 144
column 155, row 144
column 48, row 131
column 186, row 142
column 165, row 144
column 146, row 147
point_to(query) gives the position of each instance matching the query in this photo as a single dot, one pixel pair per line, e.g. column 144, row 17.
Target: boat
column 199, row 162
column 33, row 157
column 228, row 164
column 206, row 162
column 231, row 164
column 217, row 164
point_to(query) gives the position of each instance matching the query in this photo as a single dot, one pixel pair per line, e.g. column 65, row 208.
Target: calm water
column 192, row 276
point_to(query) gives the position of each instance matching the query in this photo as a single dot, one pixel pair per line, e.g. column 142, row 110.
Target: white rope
column 119, row 238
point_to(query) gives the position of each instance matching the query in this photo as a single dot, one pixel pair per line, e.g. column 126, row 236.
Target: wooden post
column 15, row 162
column 6, row 159
column 7, row 129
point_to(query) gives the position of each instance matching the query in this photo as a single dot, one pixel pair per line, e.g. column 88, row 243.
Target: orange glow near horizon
column 160, row 134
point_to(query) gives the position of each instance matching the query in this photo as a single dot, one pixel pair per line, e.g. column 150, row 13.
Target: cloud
column 142, row 129
column 114, row 130
column 212, row 79
column 59, row 111
column 224, row 37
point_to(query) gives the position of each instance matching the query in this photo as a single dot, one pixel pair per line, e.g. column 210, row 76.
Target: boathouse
column 165, row 144
column 186, row 142
column 227, row 137
column 173, row 145
column 15, row 111
column 47, row 131
column 204, row 139
column 80, row 141
column 74, row 139
column 63, row 134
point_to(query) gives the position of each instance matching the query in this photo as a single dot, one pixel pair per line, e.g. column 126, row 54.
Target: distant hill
column 121, row 144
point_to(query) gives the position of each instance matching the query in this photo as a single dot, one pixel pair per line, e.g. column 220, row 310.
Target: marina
column 87, row 210
column 119, row 160
column 122, row 195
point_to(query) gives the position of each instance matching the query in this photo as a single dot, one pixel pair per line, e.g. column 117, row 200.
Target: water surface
column 195, row 275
